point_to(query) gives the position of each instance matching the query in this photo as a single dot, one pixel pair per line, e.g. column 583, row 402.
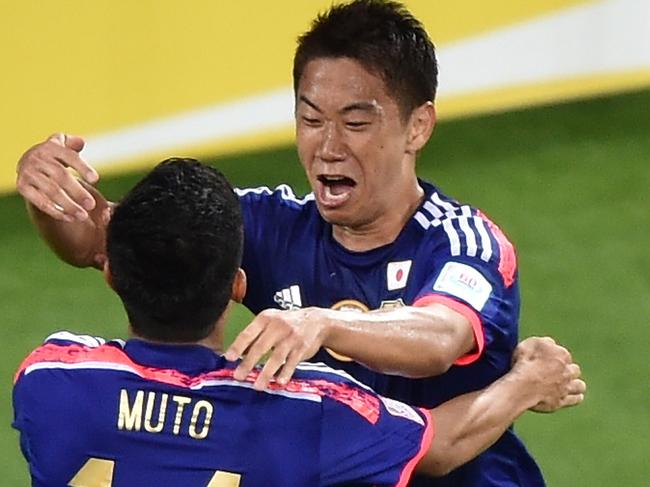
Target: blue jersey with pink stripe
column 92, row 413
column 448, row 253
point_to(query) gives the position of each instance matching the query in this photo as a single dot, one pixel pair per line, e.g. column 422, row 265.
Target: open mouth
column 333, row 191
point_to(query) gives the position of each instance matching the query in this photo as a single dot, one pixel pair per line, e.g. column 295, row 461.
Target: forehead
column 337, row 82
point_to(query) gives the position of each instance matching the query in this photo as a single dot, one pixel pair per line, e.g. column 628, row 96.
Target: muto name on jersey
column 136, row 413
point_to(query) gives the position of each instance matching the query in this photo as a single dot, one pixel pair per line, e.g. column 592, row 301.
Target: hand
column 291, row 336
column 550, row 370
column 44, row 181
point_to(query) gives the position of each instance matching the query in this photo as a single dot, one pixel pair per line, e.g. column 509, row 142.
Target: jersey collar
column 188, row 359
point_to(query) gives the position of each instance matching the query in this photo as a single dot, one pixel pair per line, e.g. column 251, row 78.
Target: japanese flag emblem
column 397, row 273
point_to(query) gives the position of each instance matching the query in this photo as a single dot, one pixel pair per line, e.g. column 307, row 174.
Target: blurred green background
column 568, row 183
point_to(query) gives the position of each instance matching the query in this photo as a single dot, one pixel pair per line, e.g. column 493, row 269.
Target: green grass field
column 569, row 185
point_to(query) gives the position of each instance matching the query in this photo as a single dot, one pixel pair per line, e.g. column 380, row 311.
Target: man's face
column 351, row 141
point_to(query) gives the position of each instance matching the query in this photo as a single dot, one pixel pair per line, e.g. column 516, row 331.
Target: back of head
column 384, row 38
column 174, row 245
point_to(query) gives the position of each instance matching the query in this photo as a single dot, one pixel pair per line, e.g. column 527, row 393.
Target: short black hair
column 384, row 38
column 174, row 245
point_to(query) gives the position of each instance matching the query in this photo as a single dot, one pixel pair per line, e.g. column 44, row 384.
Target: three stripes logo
column 458, row 222
column 288, row 298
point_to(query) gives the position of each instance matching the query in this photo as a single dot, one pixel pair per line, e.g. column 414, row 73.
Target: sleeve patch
column 401, row 410
column 464, row 282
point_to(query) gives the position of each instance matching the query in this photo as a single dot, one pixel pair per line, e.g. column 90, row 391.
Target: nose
column 332, row 146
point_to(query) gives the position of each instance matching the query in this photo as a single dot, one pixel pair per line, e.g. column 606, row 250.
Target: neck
column 385, row 228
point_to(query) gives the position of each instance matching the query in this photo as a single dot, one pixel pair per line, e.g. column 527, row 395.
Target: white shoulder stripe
column 422, row 220
column 322, row 367
column 307, row 396
column 259, row 190
column 446, row 205
column 286, row 193
column 470, row 228
column 452, row 234
column 87, row 340
column 486, row 242
column 435, row 212
column 204, row 383
column 470, row 236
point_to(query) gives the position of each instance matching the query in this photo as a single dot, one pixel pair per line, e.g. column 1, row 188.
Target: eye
column 357, row 124
column 311, row 121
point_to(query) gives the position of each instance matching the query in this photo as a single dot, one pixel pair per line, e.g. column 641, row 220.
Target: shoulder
column 338, row 388
column 66, row 350
column 465, row 233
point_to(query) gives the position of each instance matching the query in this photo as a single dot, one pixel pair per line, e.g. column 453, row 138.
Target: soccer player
column 438, row 276
column 162, row 408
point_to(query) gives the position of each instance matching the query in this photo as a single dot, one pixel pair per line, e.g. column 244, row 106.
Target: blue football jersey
column 96, row 414
column 448, row 253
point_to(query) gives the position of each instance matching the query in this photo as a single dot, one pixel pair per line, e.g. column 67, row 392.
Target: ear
column 421, row 123
column 108, row 276
column 239, row 286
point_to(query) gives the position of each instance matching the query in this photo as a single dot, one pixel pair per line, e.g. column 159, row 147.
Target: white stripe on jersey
column 449, row 207
column 422, row 220
column 486, row 242
column 307, row 396
column 436, row 213
column 204, row 383
column 323, row 367
column 285, row 190
column 470, row 227
column 87, row 340
column 452, row 234
column 470, row 237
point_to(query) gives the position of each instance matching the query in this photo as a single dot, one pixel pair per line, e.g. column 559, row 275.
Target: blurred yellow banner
column 147, row 79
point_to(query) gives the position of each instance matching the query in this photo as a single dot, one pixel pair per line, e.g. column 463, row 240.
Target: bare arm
column 544, row 378
column 69, row 213
column 410, row 341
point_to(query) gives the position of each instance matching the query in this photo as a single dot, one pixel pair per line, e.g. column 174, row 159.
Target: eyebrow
column 362, row 105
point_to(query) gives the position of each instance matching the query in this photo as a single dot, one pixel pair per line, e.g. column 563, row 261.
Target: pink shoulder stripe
column 52, row 355
column 508, row 256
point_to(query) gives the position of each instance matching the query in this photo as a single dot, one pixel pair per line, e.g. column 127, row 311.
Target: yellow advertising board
column 146, row 79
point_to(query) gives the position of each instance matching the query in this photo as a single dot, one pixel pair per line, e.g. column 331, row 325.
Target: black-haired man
column 163, row 408
column 439, row 276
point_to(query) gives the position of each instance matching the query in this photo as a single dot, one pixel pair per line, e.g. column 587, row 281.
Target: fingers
column 277, row 360
column 577, row 386
column 572, row 400
column 56, row 194
column 44, row 181
column 282, row 336
column 289, row 367
column 574, row 371
column 45, row 204
column 244, row 340
column 74, row 142
column 69, row 155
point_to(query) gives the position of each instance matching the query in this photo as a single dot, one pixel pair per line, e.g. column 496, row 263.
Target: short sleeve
column 381, row 451
column 474, row 272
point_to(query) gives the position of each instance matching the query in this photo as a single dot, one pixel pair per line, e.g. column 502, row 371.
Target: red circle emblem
column 399, row 275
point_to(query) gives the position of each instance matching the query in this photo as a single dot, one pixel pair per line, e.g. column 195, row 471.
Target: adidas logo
column 288, row 298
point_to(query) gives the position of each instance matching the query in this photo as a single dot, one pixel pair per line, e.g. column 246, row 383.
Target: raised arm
column 543, row 378
column 68, row 212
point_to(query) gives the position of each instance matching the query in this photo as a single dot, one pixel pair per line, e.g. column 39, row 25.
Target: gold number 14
column 98, row 472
